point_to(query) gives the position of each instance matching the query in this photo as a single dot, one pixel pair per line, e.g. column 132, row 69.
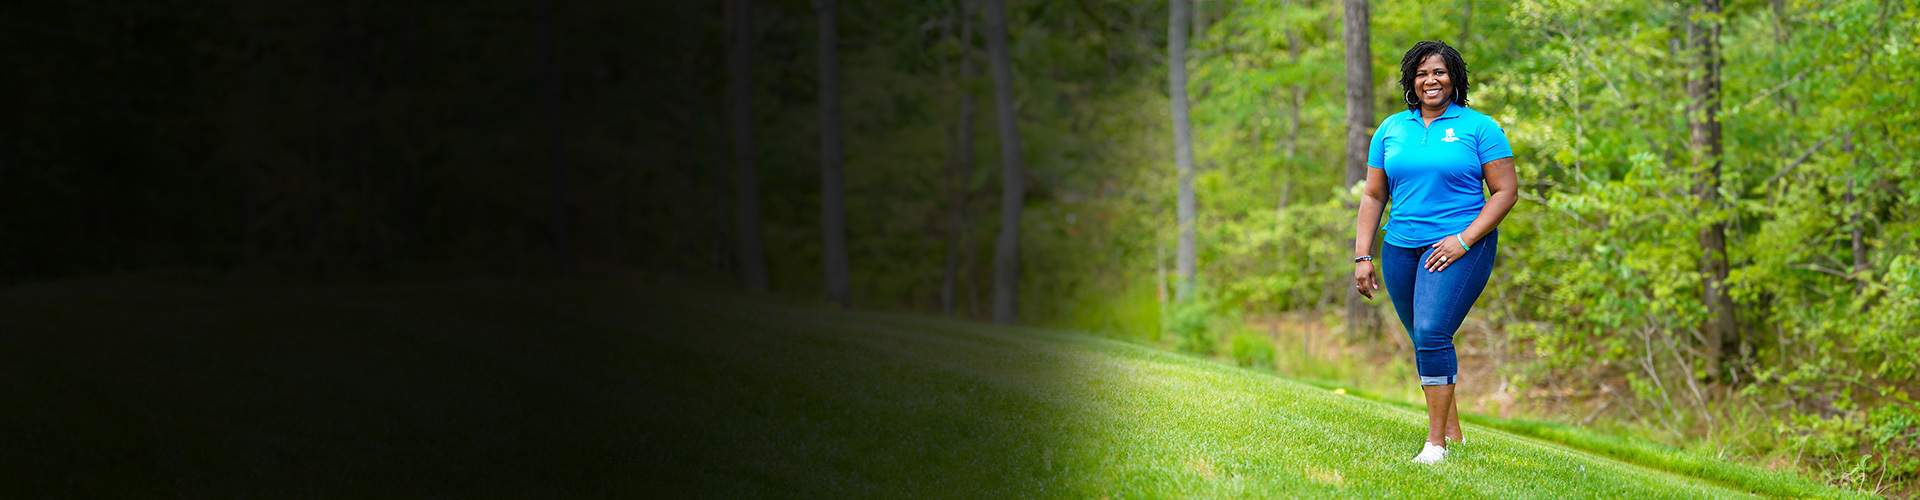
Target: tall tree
column 1298, row 95
column 1466, row 24
column 746, row 187
column 556, row 161
column 253, row 133
column 1359, row 119
column 1184, row 265
column 962, row 166
column 1703, row 127
column 1197, row 13
column 1006, row 248
column 833, row 201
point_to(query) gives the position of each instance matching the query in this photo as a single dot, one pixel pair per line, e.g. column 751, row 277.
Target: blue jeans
column 1431, row 305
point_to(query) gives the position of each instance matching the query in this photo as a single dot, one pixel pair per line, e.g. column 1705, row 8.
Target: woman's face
column 1432, row 84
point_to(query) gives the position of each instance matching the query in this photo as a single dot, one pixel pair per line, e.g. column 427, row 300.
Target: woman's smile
column 1436, row 86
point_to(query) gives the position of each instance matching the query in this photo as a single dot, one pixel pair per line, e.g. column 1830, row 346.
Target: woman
column 1430, row 161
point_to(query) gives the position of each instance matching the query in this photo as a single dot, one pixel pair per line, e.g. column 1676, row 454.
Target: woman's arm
column 1505, row 187
column 1373, row 201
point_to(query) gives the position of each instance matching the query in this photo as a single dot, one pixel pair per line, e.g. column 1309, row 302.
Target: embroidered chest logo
column 1449, row 137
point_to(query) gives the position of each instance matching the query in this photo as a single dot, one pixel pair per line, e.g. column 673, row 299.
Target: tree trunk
column 720, row 258
column 1198, row 16
column 1160, row 270
column 1289, row 144
column 1853, row 221
column 1466, row 24
column 252, row 134
column 1782, row 36
column 1703, row 127
column 1185, row 255
column 1299, row 96
column 410, row 239
column 1359, row 121
column 556, row 163
column 746, row 187
column 962, row 167
column 1359, row 89
column 833, row 201
column 970, row 275
column 1006, row 248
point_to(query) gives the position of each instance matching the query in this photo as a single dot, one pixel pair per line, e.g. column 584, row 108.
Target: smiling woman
column 1431, row 162
column 1436, row 73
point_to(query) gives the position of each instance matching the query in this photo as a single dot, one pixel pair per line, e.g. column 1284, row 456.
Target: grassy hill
column 516, row 389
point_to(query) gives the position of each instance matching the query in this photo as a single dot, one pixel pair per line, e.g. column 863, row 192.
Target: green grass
column 515, row 389
column 1641, row 452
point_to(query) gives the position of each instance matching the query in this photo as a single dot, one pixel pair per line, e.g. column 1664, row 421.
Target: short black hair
column 1456, row 70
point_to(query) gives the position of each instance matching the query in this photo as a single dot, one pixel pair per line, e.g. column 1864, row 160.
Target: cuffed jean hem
column 1432, row 304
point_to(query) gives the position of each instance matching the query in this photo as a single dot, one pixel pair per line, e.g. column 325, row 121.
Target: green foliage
column 1612, row 243
column 1198, row 325
column 1133, row 314
column 1894, row 431
column 1251, row 350
column 1600, row 276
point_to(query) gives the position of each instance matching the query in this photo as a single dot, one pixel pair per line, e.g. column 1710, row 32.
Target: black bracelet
column 1357, row 260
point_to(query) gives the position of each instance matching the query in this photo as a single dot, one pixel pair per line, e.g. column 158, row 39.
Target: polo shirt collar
column 1453, row 111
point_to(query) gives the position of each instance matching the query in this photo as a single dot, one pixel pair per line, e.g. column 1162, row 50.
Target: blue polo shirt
column 1433, row 171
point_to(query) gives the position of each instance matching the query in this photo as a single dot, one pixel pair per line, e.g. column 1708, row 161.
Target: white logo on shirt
column 1449, row 137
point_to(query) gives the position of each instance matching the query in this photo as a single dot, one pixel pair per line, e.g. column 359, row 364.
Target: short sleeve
column 1376, row 148
column 1493, row 143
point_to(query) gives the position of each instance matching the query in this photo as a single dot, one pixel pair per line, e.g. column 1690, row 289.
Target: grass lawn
column 552, row 389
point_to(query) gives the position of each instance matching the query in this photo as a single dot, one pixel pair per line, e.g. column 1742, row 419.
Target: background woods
column 1716, row 245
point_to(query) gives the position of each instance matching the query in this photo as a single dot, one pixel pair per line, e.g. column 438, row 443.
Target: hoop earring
column 1410, row 102
column 1456, row 95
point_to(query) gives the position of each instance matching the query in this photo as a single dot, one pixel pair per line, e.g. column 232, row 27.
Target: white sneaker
column 1430, row 454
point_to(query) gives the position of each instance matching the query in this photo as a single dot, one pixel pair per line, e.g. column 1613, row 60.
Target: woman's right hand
column 1363, row 279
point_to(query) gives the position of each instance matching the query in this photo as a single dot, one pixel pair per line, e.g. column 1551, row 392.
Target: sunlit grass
column 1124, row 420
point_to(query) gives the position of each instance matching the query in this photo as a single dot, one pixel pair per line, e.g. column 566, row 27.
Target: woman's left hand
column 1444, row 254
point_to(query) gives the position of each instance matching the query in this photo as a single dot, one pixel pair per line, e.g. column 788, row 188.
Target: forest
column 1715, row 248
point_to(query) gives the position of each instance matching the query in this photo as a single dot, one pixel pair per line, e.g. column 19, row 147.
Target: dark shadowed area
column 502, row 389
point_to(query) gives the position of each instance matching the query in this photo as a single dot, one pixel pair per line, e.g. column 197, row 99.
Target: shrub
column 1252, row 350
column 1189, row 327
column 1198, row 324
